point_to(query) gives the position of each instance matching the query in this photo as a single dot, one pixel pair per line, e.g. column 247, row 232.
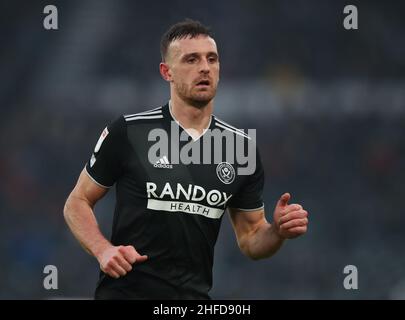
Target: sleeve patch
column 103, row 135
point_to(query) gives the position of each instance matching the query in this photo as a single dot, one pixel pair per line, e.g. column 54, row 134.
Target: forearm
column 263, row 242
column 81, row 220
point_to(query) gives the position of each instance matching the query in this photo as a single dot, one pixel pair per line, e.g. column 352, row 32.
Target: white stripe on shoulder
column 229, row 126
column 234, row 131
column 146, row 113
column 144, row 117
column 153, row 111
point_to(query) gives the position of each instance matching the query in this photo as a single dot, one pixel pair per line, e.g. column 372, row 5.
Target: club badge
column 225, row 172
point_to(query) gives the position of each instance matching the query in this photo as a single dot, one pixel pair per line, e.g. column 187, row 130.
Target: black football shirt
column 169, row 209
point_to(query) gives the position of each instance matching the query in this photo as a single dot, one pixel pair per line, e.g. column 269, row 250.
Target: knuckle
column 295, row 207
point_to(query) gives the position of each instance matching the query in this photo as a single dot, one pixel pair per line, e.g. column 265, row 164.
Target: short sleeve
column 250, row 196
column 108, row 160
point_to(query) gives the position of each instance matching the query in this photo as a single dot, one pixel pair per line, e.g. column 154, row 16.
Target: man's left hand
column 290, row 220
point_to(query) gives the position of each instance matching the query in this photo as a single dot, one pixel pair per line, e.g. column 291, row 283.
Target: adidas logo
column 163, row 163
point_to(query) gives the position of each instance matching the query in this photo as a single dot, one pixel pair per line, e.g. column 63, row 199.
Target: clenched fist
column 116, row 261
column 290, row 220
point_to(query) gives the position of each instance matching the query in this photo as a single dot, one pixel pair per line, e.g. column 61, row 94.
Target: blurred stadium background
column 328, row 105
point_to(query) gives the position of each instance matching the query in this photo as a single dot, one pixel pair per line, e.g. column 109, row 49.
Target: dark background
column 328, row 105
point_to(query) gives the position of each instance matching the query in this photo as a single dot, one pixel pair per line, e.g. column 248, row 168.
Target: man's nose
column 204, row 66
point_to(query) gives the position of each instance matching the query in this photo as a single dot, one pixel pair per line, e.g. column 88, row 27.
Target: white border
column 94, row 180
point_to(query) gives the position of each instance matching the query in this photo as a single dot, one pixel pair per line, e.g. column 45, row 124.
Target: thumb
column 284, row 200
column 140, row 259
column 132, row 255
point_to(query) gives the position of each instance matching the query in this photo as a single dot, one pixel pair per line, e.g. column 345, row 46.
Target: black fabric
column 143, row 287
column 160, row 209
column 109, row 155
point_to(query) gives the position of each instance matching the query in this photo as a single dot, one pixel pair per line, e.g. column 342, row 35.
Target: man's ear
column 165, row 71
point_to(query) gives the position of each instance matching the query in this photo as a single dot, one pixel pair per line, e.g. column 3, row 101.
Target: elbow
column 66, row 209
column 254, row 257
column 245, row 249
column 252, row 251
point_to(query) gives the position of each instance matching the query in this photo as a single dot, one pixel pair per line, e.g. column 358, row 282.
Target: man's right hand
column 116, row 261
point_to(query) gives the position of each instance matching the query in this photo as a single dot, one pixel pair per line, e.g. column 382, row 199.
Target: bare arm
column 260, row 239
column 78, row 212
column 79, row 215
column 256, row 237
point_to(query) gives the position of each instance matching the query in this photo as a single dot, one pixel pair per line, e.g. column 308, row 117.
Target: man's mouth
column 203, row 83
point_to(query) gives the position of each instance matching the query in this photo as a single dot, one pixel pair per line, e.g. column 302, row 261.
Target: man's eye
column 212, row 60
column 191, row 60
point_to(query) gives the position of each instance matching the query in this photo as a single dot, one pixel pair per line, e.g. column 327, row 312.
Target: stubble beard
column 195, row 99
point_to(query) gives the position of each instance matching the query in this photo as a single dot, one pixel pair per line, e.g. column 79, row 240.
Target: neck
column 191, row 117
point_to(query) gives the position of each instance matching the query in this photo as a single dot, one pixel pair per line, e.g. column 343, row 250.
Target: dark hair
column 187, row 28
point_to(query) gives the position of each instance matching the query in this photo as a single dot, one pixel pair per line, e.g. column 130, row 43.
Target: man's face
column 194, row 68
